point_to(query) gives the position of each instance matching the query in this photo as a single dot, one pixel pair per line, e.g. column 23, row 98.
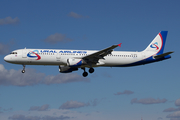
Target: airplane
column 71, row 60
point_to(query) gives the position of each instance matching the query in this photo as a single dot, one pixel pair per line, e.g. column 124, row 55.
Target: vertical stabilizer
column 158, row 43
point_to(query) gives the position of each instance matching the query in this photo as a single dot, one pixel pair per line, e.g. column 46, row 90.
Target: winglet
column 119, row 44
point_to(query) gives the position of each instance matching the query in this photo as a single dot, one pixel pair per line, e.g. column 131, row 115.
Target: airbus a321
column 71, row 60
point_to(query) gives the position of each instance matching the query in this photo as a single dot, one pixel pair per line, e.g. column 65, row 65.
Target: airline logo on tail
column 155, row 45
column 34, row 54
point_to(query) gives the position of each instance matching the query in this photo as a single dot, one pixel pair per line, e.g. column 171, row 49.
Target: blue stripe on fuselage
column 77, row 64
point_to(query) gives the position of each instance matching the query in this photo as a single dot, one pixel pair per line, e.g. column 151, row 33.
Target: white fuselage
column 59, row 57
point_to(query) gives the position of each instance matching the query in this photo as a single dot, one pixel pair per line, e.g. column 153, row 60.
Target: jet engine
column 67, row 69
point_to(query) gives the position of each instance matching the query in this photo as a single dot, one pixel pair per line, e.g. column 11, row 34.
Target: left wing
column 94, row 57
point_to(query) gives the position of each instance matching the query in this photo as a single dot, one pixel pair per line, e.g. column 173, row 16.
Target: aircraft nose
column 6, row 58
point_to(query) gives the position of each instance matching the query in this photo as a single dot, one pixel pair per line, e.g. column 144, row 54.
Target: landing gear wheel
column 23, row 71
column 91, row 70
column 85, row 74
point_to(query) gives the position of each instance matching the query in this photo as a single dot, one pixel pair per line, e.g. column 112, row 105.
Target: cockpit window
column 13, row 53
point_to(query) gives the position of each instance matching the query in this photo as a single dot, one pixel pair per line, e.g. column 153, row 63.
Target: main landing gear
column 23, row 71
column 85, row 74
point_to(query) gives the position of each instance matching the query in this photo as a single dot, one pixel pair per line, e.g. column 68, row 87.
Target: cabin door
column 58, row 56
column 24, row 53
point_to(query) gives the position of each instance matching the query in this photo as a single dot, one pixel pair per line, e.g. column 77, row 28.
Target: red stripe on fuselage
column 39, row 57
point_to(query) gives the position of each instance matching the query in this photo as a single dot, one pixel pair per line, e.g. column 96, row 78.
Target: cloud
column 39, row 108
column 175, row 119
column 57, row 37
column 72, row 104
column 16, row 78
column 75, row 15
column 160, row 118
column 75, row 104
column 177, row 102
column 171, row 109
column 64, row 78
column 94, row 102
column 22, row 117
column 9, row 20
column 5, row 110
column 32, row 77
column 4, row 49
column 126, row 92
column 9, row 109
column 174, row 116
column 55, row 118
column 51, row 114
column 148, row 101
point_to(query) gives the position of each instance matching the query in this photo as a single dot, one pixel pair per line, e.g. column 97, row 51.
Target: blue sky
column 42, row 93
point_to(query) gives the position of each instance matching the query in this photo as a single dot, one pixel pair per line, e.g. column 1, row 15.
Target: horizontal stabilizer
column 162, row 55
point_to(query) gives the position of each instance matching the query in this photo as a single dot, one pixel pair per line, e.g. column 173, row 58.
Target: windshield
column 13, row 53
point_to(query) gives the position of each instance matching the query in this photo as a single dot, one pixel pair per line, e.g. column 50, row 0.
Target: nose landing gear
column 23, row 71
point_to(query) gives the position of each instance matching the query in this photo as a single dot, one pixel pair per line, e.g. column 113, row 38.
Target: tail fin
column 158, row 43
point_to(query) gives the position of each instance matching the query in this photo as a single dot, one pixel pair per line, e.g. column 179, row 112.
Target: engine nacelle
column 67, row 69
column 74, row 62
